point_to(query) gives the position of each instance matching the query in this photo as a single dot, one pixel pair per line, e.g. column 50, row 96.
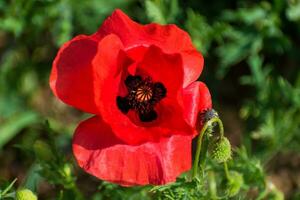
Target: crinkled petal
column 74, row 74
column 99, row 152
column 170, row 38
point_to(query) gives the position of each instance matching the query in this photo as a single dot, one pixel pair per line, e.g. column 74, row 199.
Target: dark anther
column 132, row 82
column 148, row 117
column 159, row 91
column 142, row 96
column 123, row 104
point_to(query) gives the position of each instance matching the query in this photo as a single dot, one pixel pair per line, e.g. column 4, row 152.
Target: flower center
column 143, row 95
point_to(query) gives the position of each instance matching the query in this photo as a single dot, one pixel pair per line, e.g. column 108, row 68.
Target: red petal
column 196, row 98
column 101, row 154
column 205, row 98
column 167, row 69
column 170, row 38
column 162, row 68
column 74, row 74
column 193, row 64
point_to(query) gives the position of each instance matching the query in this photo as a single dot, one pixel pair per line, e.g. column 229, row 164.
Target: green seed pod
column 42, row 151
column 25, row 194
column 235, row 183
column 220, row 149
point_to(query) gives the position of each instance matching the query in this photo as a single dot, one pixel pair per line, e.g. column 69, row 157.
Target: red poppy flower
column 140, row 82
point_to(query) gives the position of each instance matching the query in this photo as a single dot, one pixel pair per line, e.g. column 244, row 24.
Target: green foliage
column 111, row 191
column 162, row 11
column 6, row 188
column 293, row 11
column 58, row 171
column 273, row 110
column 14, row 125
column 234, row 184
column 182, row 190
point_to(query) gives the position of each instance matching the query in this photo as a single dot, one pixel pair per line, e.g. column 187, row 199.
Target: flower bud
column 235, row 183
column 67, row 170
column 220, row 149
column 25, row 194
column 42, row 151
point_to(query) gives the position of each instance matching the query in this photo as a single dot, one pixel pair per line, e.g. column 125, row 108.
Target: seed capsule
column 235, row 183
column 220, row 149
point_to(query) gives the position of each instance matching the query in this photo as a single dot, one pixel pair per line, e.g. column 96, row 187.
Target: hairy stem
column 226, row 171
column 206, row 129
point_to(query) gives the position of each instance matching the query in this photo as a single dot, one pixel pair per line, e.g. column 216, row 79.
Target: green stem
column 200, row 139
column 198, row 150
column 212, row 186
column 10, row 195
column 226, row 171
column 204, row 149
column 8, row 187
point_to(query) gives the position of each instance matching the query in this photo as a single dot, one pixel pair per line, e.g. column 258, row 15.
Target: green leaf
column 8, row 188
column 154, row 12
column 293, row 12
column 11, row 127
column 33, row 177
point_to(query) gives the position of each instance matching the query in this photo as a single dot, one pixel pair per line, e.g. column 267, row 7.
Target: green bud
column 234, row 183
column 220, row 149
column 25, row 194
column 67, row 170
column 42, row 151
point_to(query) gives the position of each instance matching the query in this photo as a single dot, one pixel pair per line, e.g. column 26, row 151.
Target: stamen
column 132, row 82
column 148, row 117
column 159, row 91
column 142, row 97
column 123, row 104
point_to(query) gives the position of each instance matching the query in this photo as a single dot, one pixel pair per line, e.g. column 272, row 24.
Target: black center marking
column 142, row 96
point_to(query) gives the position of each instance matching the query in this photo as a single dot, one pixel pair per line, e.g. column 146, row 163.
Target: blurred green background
column 252, row 59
